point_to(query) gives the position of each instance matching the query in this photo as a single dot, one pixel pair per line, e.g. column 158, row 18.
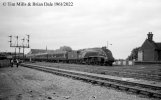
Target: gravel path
column 29, row 84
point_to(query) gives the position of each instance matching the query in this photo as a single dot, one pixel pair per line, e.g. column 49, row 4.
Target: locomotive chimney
column 150, row 36
column 104, row 47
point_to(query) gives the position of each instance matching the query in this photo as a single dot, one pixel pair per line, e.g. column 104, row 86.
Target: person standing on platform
column 17, row 62
column 11, row 62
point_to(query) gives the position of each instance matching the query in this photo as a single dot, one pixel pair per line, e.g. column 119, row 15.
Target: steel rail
column 134, row 87
column 138, row 75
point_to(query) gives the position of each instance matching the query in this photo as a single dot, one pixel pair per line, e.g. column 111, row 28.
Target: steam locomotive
column 90, row 56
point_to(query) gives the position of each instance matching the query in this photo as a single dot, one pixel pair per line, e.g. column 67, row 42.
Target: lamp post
column 108, row 45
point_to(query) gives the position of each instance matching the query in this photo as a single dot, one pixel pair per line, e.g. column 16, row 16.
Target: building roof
column 155, row 45
column 150, row 44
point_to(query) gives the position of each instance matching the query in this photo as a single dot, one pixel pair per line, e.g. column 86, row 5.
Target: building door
column 140, row 55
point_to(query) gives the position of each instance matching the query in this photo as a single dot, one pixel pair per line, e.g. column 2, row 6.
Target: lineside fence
column 123, row 62
column 130, row 62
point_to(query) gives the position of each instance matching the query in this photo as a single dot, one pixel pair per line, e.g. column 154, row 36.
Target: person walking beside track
column 11, row 62
column 17, row 62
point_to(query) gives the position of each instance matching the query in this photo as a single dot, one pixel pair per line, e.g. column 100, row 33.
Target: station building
column 150, row 50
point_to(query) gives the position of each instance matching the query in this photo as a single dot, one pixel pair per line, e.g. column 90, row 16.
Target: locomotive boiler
column 96, row 56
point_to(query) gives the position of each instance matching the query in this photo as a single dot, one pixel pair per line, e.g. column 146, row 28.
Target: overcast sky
column 86, row 24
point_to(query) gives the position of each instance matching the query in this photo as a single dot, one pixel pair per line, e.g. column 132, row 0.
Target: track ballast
column 149, row 90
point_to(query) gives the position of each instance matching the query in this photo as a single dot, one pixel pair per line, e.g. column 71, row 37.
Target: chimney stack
column 150, row 36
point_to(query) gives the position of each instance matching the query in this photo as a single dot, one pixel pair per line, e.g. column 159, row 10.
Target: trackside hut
column 150, row 50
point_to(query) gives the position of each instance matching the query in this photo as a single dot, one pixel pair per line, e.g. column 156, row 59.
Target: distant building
column 150, row 50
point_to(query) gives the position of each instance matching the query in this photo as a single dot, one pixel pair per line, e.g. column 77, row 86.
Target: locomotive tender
column 90, row 56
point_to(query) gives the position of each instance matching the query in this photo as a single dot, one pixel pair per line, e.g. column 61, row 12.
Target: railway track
column 137, row 87
column 129, row 73
column 136, row 75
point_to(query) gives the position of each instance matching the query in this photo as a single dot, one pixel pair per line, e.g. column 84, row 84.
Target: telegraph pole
column 108, row 45
column 46, row 53
column 23, row 46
